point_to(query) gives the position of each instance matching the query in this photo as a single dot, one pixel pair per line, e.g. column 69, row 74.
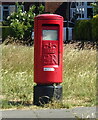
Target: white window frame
column 81, row 7
column 4, row 9
column 9, row 9
column 88, row 6
column 1, row 14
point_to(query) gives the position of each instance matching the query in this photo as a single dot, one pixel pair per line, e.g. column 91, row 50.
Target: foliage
column 5, row 32
column 95, row 7
column 22, row 22
column 95, row 28
column 87, row 29
column 82, row 30
column 41, row 9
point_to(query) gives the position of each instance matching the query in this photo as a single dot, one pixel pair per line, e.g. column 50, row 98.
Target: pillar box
column 48, row 52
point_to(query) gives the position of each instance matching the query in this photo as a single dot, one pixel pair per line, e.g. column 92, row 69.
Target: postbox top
column 48, row 17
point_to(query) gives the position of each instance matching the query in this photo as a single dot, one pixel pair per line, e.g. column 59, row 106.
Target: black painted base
column 43, row 94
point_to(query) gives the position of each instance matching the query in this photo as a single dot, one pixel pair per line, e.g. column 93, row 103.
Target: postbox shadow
column 19, row 103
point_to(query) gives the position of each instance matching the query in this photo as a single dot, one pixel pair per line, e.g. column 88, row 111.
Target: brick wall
column 52, row 6
column 60, row 8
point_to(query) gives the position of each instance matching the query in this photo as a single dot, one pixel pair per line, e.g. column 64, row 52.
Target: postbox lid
column 48, row 16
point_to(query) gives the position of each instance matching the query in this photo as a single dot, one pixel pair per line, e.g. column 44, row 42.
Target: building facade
column 69, row 10
column 6, row 8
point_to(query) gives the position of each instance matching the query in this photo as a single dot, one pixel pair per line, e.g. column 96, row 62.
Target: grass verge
column 79, row 78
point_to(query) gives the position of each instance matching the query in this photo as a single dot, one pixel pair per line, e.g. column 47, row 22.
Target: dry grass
column 79, row 77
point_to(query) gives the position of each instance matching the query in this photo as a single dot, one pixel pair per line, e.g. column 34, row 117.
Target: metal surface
column 43, row 94
column 48, row 50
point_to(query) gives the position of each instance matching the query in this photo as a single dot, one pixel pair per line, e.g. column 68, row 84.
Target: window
column 73, row 5
column 82, row 3
column 82, row 10
column 89, row 12
column 82, row 15
column 89, row 3
column 5, row 12
column 50, row 35
column 11, row 9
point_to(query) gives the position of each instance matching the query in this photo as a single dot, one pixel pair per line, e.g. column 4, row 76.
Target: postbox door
column 50, row 54
column 50, row 46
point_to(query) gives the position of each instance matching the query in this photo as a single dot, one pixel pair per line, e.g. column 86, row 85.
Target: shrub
column 95, row 7
column 95, row 27
column 83, row 30
column 22, row 22
column 5, row 32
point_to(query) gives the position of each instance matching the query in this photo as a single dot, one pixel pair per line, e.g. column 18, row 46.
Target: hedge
column 95, row 27
column 6, row 31
column 83, row 30
column 86, row 29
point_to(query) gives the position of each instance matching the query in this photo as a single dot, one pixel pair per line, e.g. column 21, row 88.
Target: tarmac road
column 78, row 112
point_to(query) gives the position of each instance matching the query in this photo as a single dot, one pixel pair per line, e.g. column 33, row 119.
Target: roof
column 19, row 0
column 47, row 0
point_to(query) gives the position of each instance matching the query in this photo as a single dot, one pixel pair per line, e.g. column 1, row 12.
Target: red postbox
column 48, row 48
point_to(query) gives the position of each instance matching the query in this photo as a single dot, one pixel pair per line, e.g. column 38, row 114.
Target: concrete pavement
column 74, row 113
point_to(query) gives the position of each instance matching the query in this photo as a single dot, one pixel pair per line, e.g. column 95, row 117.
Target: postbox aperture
column 49, row 32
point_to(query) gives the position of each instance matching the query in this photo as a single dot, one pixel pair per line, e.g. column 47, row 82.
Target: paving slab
column 48, row 113
column 54, row 113
column 84, row 112
column 18, row 114
column 78, row 112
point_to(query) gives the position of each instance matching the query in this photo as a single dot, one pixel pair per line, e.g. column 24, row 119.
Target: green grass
column 79, row 78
